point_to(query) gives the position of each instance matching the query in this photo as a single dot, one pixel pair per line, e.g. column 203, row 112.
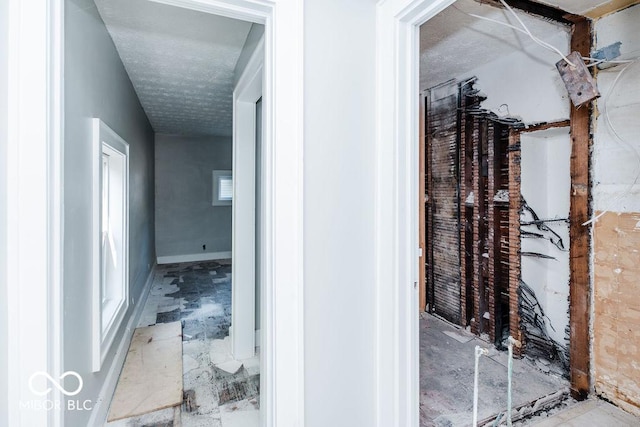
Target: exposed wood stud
column 514, row 237
column 579, row 285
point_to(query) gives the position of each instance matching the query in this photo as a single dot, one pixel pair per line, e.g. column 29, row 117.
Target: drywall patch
column 616, row 323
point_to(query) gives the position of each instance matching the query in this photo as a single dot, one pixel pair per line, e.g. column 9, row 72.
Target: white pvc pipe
column 478, row 352
column 511, row 341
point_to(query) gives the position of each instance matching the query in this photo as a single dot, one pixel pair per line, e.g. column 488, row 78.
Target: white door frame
column 34, row 194
column 397, row 354
column 35, row 190
column 243, row 275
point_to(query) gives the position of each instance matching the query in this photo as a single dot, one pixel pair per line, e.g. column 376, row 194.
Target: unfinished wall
column 527, row 82
column 545, row 187
column 96, row 85
column 616, row 164
column 185, row 219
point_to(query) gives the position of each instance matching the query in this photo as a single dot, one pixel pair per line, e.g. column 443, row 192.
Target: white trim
column 34, row 220
column 247, row 92
column 205, row 256
column 102, row 403
column 34, row 168
column 397, row 371
column 103, row 135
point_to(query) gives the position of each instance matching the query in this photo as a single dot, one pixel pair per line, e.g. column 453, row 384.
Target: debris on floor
column 151, row 378
column 199, row 296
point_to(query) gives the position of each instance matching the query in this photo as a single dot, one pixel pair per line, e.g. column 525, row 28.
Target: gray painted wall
column 96, row 85
column 254, row 36
column 185, row 218
column 4, row 61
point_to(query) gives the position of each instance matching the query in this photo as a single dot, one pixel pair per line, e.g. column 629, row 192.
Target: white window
column 222, row 187
column 111, row 232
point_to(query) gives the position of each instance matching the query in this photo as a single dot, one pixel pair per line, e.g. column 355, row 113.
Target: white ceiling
column 180, row 62
column 453, row 43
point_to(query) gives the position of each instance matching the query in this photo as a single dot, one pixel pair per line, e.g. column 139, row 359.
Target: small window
column 111, row 236
column 222, row 194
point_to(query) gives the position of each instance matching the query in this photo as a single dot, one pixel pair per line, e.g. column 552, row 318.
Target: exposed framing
column 397, row 237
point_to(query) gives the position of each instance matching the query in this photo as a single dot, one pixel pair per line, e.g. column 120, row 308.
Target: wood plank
column 515, row 204
column 151, row 378
column 579, row 285
column 422, row 217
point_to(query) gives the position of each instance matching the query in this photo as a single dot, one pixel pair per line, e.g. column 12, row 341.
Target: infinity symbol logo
column 55, row 383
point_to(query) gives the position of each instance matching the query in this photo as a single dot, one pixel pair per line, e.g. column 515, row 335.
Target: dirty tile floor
column 199, row 295
column 446, row 377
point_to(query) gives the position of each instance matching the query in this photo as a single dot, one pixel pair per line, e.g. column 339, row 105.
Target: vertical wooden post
column 493, row 236
column 515, row 205
column 579, row 285
column 422, row 217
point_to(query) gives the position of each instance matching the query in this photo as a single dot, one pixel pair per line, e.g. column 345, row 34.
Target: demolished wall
column 616, row 200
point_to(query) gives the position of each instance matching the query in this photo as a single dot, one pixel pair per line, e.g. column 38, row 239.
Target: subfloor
column 447, row 371
column 199, row 295
column 592, row 412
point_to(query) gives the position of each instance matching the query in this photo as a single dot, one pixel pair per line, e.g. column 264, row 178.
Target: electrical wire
column 630, row 147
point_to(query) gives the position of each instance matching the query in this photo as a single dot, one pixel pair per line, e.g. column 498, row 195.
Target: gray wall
column 185, row 218
column 4, row 60
column 255, row 34
column 96, row 85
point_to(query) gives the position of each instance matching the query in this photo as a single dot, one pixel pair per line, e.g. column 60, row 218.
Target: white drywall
column 339, row 231
column 97, row 85
column 616, row 159
column 545, row 185
column 4, row 332
column 185, row 217
column 527, row 82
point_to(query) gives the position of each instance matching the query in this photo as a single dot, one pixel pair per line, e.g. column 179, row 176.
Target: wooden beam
column 545, row 125
column 610, row 7
column 579, row 284
column 514, row 237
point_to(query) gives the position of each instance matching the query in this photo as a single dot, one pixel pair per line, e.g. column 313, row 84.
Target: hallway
column 199, row 295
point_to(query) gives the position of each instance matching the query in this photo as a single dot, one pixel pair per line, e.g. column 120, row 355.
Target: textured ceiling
column 453, row 43
column 180, row 62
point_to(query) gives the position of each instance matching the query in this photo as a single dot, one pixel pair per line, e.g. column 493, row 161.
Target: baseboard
column 101, row 407
column 205, row 256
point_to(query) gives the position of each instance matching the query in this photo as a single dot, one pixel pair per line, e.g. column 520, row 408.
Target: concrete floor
column 199, row 295
column 592, row 412
column 446, row 377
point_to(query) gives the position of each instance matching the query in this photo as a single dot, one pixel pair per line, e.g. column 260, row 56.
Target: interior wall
column 255, row 34
column 97, row 85
column 4, row 331
column 185, row 217
column 546, row 186
column 526, row 81
column 339, row 206
column 259, row 250
column 616, row 319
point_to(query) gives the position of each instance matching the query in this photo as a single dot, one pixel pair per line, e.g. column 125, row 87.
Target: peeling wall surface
column 616, row 164
column 545, row 187
column 185, row 218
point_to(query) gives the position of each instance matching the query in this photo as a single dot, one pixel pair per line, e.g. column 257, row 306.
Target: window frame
column 104, row 331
